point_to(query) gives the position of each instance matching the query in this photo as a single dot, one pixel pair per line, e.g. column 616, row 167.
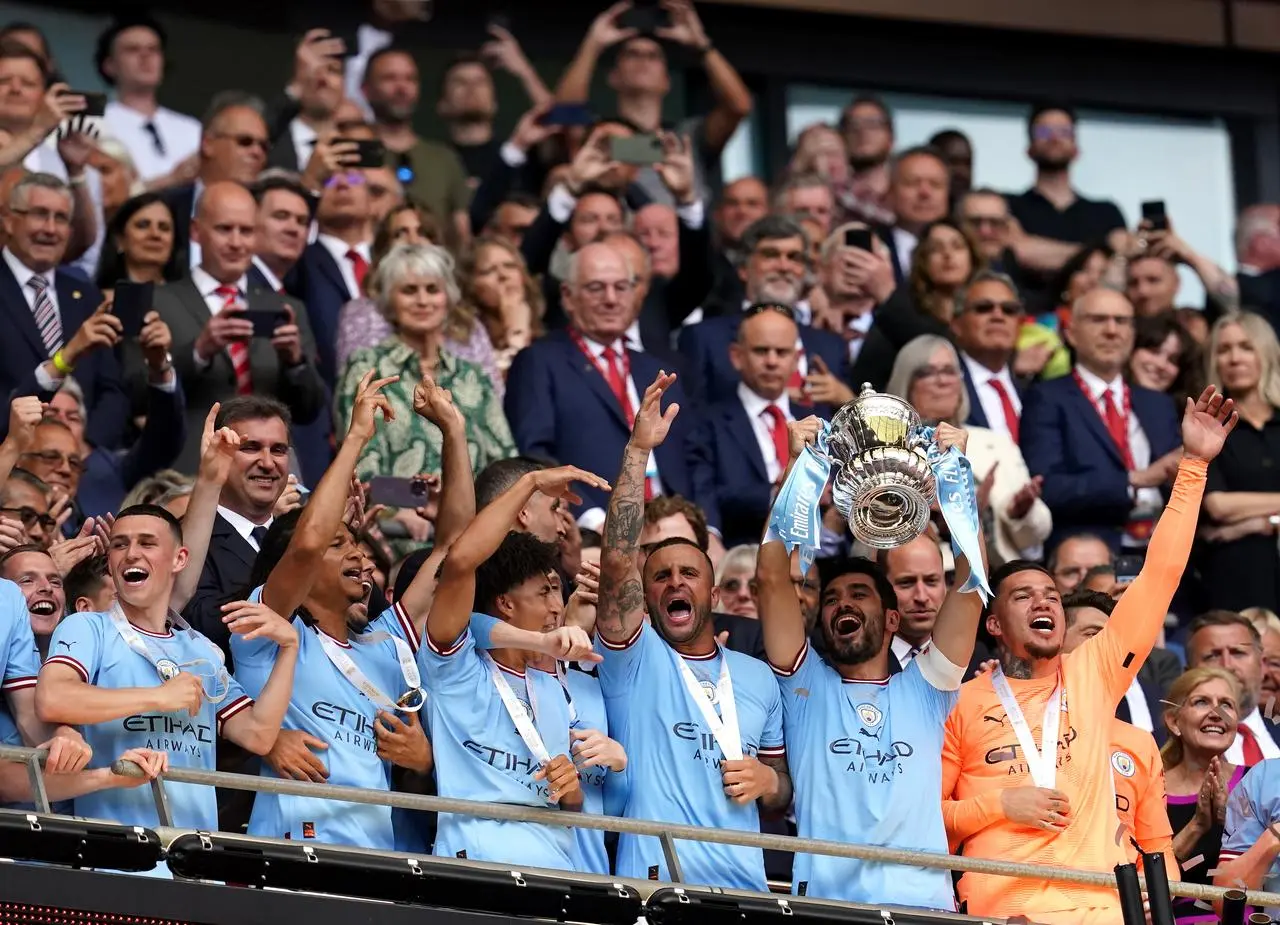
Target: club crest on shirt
column 528, row 708
column 711, row 691
column 1123, row 763
column 869, row 713
column 167, row 668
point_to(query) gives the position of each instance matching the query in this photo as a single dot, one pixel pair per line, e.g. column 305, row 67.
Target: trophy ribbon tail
column 958, row 501
column 796, row 518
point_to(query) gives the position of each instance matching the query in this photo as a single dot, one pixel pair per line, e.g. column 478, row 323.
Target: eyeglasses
column 1052, row 132
column 1011, row 309
column 994, row 221
column 248, row 141
column 30, row 517
column 1123, row 321
column 54, row 458
column 42, row 216
column 759, row 308
column 351, row 178
column 865, row 123
column 936, row 372
column 597, row 288
column 737, row 585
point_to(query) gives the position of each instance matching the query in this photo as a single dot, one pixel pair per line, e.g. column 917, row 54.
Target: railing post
column 39, row 795
column 672, row 859
column 163, row 812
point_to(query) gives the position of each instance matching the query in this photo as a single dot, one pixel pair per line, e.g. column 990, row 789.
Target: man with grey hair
column 58, row 322
column 233, row 146
column 855, row 281
column 987, row 317
column 1258, row 255
column 573, row 395
column 806, row 195
column 919, row 194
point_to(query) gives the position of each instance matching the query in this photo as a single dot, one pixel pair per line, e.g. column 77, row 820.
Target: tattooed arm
column 621, row 599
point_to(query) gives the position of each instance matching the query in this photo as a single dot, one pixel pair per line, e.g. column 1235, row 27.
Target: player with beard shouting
column 864, row 746
column 702, row 724
column 1044, row 719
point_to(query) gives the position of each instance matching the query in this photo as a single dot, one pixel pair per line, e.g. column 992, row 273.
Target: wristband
column 80, row 180
column 61, row 365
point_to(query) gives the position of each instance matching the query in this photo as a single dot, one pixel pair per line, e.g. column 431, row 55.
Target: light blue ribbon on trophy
column 796, row 518
column 958, row 501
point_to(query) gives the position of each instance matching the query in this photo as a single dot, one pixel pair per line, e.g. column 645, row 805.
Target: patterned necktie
column 237, row 350
column 46, row 315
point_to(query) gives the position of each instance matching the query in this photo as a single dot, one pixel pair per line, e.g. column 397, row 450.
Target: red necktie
column 238, row 350
column 1116, row 425
column 796, row 382
column 359, row 267
column 618, row 386
column 1249, row 746
column 778, row 431
column 1006, row 404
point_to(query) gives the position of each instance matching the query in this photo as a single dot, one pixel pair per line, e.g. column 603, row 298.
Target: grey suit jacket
column 186, row 314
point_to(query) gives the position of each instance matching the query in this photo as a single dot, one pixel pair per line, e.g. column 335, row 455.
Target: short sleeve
column 798, row 684
column 260, row 652
column 22, row 659
column 77, row 643
column 396, row 621
column 234, row 703
column 455, row 666
column 772, row 742
column 482, row 626
column 1244, row 825
column 1111, row 217
column 622, row 661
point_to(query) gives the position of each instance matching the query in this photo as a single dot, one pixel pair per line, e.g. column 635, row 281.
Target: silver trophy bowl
column 883, row 484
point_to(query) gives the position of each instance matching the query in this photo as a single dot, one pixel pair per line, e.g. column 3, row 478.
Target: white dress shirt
column 1147, row 501
column 179, row 135
column 904, row 242
column 272, row 280
column 243, row 525
column 762, row 424
column 904, row 651
column 194, row 252
column 860, row 325
column 23, row 274
column 304, row 138
column 1139, row 709
column 989, row 398
column 1235, row 754
column 339, row 249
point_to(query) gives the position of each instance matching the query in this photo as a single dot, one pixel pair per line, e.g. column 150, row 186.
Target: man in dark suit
column 1105, row 449
column 233, row 146
column 739, row 448
column 53, row 321
column 572, row 396
column 215, row 350
column 919, row 195
column 1258, row 256
column 317, row 85
column 775, row 271
column 988, row 316
column 284, row 221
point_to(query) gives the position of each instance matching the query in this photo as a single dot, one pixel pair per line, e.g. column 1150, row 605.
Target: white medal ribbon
column 524, row 725
column 1043, row 761
column 165, row 667
column 413, row 698
column 562, row 675
column 724, row 726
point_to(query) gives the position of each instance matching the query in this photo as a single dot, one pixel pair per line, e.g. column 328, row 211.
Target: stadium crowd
column 341, row 454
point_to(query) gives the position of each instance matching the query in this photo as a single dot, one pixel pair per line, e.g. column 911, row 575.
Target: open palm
column 1206, row 424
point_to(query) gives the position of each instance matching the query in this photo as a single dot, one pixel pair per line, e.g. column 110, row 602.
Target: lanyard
column 724, row 726
column 1099, row 405
column 524, row 725
column 563, row 678
column 410, row 701
column 1042, row 761
column 167, row 668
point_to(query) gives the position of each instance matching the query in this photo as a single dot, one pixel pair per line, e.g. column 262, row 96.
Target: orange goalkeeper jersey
column 981, row 755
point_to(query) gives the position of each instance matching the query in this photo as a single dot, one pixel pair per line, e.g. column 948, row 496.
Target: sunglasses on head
column 759, row 308
column 987, row 306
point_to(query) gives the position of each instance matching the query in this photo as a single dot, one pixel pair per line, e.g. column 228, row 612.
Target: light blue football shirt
column 19, row 657
column 1251, row 807
column 602, row 790
column 480, row 756
column 90, row 644
column 328, row 706
column 674, row 770
column 865, row 759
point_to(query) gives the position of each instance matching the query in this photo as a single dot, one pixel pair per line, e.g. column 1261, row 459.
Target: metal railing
column 666, row 832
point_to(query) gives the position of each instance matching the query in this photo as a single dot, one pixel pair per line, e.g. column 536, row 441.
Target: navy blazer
column 181, row 201
column 225, row 578
column 317, row 280
column 1064, row 439
column 1155, row 706
column 711, row 377
column 560, row 407
column 22, row 350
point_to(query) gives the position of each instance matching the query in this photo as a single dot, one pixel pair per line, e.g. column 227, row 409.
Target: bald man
column 231, row 337
column 1106, row 449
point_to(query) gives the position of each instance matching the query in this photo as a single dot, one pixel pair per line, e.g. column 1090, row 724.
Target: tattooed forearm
column 621, row 595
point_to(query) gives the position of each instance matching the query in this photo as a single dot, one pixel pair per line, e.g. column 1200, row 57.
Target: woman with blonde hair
column 735, row 578
column 1240, row 565
column 1201, row 713
column 499, row 292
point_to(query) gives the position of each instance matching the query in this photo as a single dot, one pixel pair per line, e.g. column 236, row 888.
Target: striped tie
column 238, row 350
column 46, row 315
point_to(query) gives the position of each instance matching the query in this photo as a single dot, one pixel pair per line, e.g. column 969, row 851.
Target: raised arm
column 621, row 604
column 455, row 594
column 256, row 728
column 24, row 414
column 957, row 624
column 291, row 580
column 217, row 452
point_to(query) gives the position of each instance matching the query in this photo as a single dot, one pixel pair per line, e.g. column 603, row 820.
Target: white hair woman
column 415, row 289
column 928, row 374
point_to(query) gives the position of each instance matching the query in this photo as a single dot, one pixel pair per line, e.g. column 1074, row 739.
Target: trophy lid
column 889, row 417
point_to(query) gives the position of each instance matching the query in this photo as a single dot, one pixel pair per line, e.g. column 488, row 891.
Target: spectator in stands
column 666, row 658
column 513, row 217
column 503, row 300
column 37, row 575
column 1240, row 563
column 806, row 195
column 1104, row 448
column 140, row 239
column 867, row 126
column 1166, row 358
column 854, row 283
column 957, row 151
column 284, row 222
column 984, row 215
column 915, row 570
column 657, row 226
column 927, row 374
column 432, row 174
column 214, row 350
column 641, row 81
column 103, row 680
column 1072, row 558
column 987, row 317
column 1258, row 256
column 62, row 324
column 118, row 175
column 820, row 150
column 743, row 203
column 315, row 94
column 162, row 143
column 735, row 581
column 1028, row 623
column 1201, row 714
column 416, row 291
column 24, row 512
column 1225, row 639
column 88, row 587
column 918, row 194
column 563, row 408
column 1152, row 281
column 233, row 147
